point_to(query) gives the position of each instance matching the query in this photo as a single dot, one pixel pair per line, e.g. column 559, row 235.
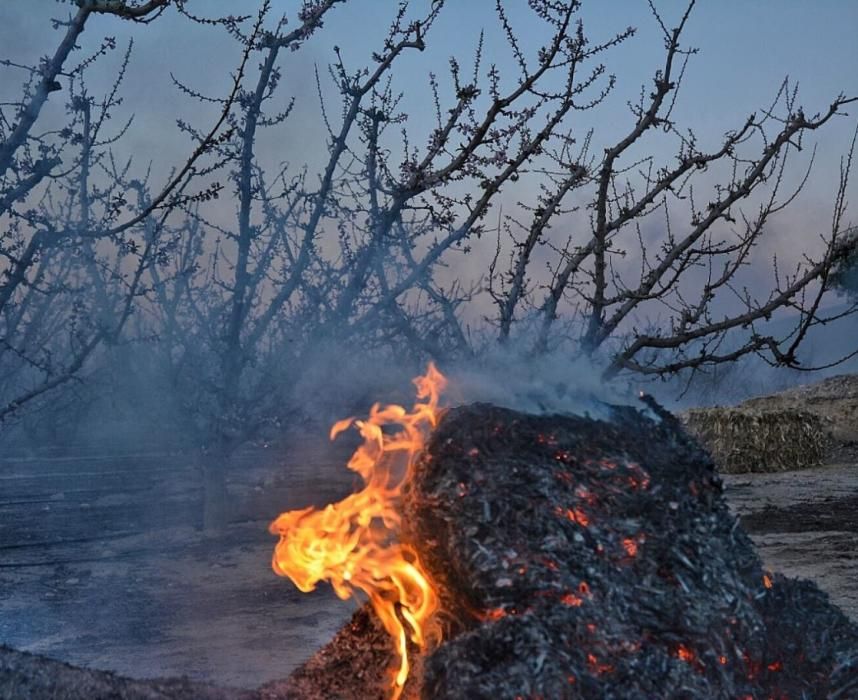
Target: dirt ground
column 805, row 524
column 102, row 563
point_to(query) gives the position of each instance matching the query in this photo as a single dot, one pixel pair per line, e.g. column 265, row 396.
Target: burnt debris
column 584, row 558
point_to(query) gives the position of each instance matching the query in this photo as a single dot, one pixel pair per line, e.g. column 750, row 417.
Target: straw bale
column 753, row 440
column 834, row 399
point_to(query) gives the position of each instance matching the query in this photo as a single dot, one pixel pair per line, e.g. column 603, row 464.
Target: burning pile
column 598, row 559
column 588, row 558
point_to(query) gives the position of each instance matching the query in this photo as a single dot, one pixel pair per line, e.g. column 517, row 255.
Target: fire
column 354, row 544
column 571, row 600
column 576, row 515
column 684, row 653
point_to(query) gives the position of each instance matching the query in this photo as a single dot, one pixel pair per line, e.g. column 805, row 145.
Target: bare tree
column 690, row 275
column 226, row 303
column 354, row 259
column 64, row 206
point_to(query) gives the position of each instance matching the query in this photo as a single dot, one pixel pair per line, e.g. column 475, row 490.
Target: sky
column 746, row 48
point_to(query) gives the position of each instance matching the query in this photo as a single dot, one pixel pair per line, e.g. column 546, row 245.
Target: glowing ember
column 767, row 581
column 494, row 614
column 354, row 544
column 684, row 653
column 576, row 515
column 597, row 666
column 571, row 599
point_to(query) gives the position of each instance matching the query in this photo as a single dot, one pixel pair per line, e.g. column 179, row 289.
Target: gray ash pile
column 583, row 558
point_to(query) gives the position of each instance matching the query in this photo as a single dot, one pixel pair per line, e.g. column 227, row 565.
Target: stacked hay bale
column 760, row 440
column 834, row 399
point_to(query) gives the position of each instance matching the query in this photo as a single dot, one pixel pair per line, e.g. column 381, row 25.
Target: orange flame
column 354, row 544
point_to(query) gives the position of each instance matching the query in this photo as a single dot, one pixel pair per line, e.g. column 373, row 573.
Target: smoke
column 554, row 383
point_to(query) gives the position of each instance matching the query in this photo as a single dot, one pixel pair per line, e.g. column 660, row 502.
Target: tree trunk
column 215, row 497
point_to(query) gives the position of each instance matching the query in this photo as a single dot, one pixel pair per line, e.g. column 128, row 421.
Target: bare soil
column 805, row 524
column 103, row 564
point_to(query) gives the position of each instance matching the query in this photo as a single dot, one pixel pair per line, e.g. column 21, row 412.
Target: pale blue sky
column 746, row 49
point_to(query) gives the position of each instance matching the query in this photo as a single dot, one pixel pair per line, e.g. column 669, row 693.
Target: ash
column 582, row 558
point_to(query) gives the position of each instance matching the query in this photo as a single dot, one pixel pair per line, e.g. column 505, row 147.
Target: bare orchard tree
column 76, row 238
column 358, row 246
column 219, row 316
column 422, row 209
column 351, row 256
column 684, row 306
